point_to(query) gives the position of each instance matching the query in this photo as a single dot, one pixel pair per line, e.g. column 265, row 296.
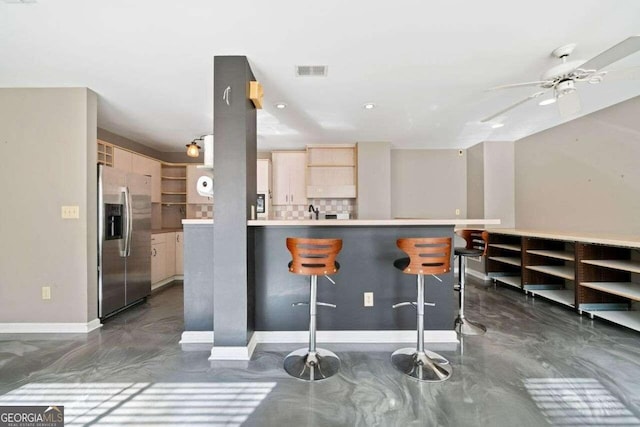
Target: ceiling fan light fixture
column 547, row 101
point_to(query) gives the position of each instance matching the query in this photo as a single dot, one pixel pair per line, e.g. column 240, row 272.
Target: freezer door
column 111, row 262
column 139, row 259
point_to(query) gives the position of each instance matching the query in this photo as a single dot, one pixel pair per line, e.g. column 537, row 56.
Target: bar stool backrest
column 427, row 255
column 313, row 256
column 476, row 239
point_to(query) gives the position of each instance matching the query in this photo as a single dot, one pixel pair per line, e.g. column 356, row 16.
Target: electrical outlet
column 70, row 212
column 457, row 211
column 46, row 292
column 368, row 299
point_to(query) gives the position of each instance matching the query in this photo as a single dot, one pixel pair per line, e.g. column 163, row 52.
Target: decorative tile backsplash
column 326, row 206
column 204, row 211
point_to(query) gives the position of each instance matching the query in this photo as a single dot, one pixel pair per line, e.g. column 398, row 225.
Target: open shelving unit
column 504, row 261
column 105, row 153
column 549, row 269
column 173, row 194
column 609, row 285
column 331, row 171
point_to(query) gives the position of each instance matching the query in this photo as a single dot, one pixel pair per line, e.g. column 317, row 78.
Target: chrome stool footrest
column 326, row 304
column 415, row 304
column 423, row 366
column 312, row 366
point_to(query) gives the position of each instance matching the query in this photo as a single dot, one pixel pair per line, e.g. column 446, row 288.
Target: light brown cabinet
column 146, row 166
column 179, row 253
column 122, row 159
column 289, row 183
column 167, row 252
column 331, row 171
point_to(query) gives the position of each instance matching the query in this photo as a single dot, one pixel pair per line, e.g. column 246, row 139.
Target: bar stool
column 429, row 255
column 313, row 257
column 476, row 245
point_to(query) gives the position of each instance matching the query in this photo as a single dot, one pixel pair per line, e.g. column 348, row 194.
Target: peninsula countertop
column 353, row 222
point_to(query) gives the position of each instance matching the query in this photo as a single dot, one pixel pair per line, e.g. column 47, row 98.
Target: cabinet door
column 263, row 173
column 158, row 262
column 193, row 173
column 146, row 166
column 179, row 253
column 280, row 178
column 297, row 178
column 122, row 159
column 170, row 260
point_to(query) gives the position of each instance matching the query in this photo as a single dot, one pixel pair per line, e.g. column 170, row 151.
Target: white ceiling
column 425, row 64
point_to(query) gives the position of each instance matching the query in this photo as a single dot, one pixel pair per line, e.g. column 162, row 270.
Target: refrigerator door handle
column 128, row 221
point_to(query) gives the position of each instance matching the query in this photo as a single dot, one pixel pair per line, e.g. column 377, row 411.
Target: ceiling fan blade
column 611, row 55
column 517, row 85
column 569, row 105
column 493, row 116
column 632, row 73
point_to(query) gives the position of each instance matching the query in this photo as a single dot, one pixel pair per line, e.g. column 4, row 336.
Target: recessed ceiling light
column 281, row 105
column 548, row 101
column 369, row 106
column 497, row 125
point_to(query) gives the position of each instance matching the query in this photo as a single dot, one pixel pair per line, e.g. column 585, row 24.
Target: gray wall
column 475, row 181
column 582, row 176
column 47, row 160
column 428, row 183
column 374, row 180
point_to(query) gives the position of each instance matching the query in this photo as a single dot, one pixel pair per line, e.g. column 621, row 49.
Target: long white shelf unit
column 597, row 275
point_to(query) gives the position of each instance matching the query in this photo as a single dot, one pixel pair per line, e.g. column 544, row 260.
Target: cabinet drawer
column 158, row 238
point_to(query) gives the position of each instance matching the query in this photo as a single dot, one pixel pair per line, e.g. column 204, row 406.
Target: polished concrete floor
column 539, row 364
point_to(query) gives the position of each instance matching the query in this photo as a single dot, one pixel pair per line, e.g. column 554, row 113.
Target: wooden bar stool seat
column 429, row 255
column 476, row 246
column 313, row 258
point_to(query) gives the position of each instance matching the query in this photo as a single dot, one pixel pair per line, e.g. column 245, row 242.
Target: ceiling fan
column 562, row 78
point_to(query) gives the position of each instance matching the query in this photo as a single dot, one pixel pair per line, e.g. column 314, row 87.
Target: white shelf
column 515, row 281
column 616, row 264
column 567, row 256
column 514, row 248
column 630, row 319
column 624, row 289
column 563, row 271
column 507, row 260
column 563, row 296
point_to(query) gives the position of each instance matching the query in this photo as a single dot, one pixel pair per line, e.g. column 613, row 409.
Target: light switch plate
column 46, row 292
column 71, row 212
column 368, row 299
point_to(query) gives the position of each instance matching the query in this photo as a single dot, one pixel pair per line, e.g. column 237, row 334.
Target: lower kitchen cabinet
column 166, row 257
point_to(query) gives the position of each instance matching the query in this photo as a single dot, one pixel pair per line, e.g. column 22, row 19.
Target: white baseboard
column 49, row 328
column 350, row 337
column 235, row 352
column 165, row 282
column 196, row 337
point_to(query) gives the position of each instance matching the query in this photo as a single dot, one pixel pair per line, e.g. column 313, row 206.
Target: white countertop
column 196, row 221
column 370, row 222
column 599, row 238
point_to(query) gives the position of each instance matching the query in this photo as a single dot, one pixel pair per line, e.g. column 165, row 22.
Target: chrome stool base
column 467, row 327
column 423, row 366
column 305, row 366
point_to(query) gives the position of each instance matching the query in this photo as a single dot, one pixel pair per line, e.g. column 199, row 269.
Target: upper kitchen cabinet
column 331, row 171
column 105, row 153
column 289, row 182
column 146, row 166
column 193, row 173
column 122, row 159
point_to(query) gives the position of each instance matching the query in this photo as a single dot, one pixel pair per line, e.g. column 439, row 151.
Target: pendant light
column 193, row 149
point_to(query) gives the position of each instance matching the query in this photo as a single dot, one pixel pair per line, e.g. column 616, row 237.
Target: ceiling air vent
column 311, row 70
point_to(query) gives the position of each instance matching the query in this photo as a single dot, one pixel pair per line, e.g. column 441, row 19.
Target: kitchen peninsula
column 366, row 260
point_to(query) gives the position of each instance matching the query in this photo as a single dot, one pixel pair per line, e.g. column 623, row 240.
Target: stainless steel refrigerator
column 124, row 239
